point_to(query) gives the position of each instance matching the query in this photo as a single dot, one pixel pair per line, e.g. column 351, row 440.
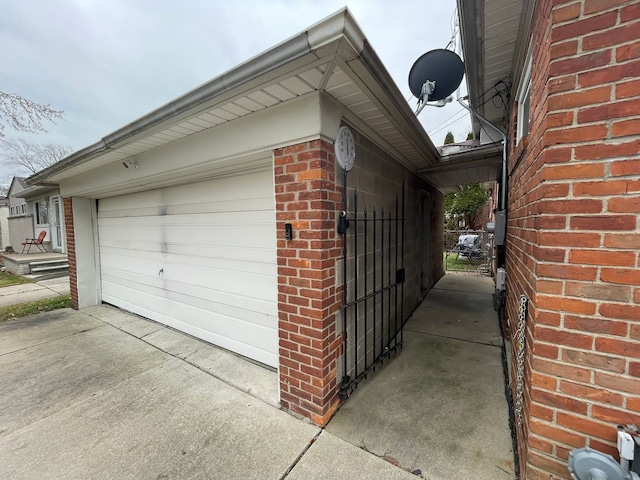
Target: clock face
column 345, row 148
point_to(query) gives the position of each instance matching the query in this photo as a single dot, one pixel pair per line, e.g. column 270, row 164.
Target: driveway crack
column 299, row 457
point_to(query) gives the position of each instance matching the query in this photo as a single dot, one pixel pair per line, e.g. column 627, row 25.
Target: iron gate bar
column 364, row 226
column 355, row 280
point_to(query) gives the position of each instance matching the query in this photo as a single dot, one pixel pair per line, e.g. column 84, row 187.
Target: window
column 42, row 213
column 524, row 102
column 13, row 211
column 23, row 208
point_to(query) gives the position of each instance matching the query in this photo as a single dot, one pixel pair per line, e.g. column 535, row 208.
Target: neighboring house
column 44, row 203
column 218, row 213
column 562, row 80
column 4, row 223
column 33, row 210
column 20, row 222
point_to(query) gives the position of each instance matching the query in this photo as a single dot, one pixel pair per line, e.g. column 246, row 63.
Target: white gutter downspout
column 503, row 189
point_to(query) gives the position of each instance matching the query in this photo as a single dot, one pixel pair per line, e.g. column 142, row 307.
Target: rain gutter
column 323, row 33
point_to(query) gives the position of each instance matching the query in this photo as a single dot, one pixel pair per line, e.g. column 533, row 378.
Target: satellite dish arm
column 428, row 88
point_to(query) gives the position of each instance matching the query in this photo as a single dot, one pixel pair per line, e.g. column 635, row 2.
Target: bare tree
column 24, row 115
column 20, row 154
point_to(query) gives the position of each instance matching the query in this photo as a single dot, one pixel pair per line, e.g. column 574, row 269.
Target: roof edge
column 341, row 23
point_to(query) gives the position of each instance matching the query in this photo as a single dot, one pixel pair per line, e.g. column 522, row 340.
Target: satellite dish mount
column 435, row 76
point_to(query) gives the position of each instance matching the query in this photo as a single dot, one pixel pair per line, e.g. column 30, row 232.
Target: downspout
column 481, row 119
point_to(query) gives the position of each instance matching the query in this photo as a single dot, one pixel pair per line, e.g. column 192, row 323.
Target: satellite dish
column 588, row 464
column 435, row 76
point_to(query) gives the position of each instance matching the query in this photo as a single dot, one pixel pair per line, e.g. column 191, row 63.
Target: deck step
column 48, row 262
column 62, row 266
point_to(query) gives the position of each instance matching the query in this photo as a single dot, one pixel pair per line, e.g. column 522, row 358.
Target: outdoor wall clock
column 345, row 148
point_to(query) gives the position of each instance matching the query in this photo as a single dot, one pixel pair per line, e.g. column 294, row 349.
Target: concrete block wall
column 378, row 180
column 573, row 229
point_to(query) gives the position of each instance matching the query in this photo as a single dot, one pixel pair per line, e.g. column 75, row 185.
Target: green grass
column 31, row 308
column 7, row 279
column 456, row 262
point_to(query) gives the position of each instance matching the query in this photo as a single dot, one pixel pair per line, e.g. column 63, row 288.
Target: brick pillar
column 71, row 250
column 309, row 296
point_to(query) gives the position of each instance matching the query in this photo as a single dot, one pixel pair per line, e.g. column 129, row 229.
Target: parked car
column 469, row 246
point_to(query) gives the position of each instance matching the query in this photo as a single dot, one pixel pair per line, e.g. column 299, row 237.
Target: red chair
column 35, row 241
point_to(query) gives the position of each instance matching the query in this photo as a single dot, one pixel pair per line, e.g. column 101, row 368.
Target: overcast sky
column 108, row 62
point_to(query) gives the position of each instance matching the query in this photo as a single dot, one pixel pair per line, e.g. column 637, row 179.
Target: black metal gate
column 373, row 280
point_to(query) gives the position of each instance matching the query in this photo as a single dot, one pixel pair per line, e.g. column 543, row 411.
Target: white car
column 469, row 246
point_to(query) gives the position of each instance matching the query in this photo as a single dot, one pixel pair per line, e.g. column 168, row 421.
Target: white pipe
column 503, row 188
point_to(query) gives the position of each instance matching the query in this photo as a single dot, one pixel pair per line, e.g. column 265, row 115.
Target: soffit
column 477, row 165
column 490, row 39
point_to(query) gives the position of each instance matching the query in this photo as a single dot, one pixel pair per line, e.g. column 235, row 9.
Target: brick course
column 573, row 232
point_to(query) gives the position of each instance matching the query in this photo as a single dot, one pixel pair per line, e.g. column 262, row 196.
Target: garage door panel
column 208, row 326
column 186, row 219
column 234, row 282
column 194, row 257
column 240, row 190
column 230, row 207
column 200, row 258
column 202, row 252
column 172, row 296
column 195, row 235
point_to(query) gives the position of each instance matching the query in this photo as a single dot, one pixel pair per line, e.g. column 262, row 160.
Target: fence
column 468, row 251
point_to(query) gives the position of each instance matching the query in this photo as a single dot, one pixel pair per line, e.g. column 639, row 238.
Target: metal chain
column 520, row 347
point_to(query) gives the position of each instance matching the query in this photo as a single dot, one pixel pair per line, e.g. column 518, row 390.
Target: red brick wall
column 307, row 197
column 71, row 250
column 573, row 232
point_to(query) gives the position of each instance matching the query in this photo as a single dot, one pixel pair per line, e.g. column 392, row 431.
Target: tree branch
column 24, row 115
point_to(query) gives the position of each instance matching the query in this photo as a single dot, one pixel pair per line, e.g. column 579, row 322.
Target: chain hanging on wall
column 520, row 349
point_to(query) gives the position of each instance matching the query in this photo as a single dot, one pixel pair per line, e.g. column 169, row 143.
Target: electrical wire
column 463, row 111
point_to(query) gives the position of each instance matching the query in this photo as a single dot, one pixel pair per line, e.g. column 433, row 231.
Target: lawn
column 7, row 279
column 456, row 262
column 30, row 308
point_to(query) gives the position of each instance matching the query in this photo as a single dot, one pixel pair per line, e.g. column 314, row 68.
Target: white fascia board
column 341, row 25
column 209, row 152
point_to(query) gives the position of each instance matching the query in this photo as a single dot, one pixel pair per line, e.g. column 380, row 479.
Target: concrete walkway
column 439, row 405
column 105, row 394
column 30, row 292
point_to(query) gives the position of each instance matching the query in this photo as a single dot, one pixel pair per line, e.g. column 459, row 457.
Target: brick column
column 71, row 250
column 309, row 296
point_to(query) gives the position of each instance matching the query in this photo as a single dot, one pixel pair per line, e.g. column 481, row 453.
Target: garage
column 200, row 258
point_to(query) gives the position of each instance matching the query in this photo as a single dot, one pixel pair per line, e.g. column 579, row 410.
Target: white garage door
column 200, row 258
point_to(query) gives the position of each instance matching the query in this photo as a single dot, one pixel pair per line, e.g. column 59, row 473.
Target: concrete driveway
column 104, row 394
